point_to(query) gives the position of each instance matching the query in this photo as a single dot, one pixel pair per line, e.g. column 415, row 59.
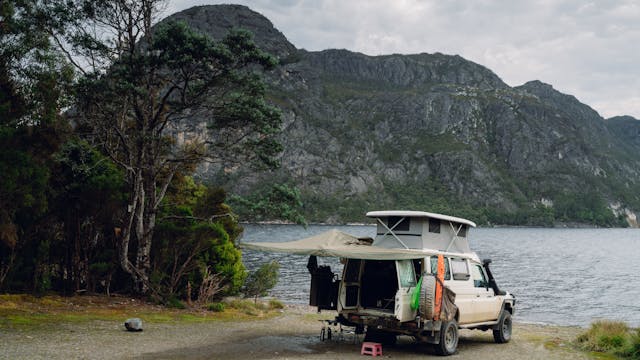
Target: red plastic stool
column 371, row 348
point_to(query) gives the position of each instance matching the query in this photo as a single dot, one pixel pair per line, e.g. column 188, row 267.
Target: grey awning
column 339, row 244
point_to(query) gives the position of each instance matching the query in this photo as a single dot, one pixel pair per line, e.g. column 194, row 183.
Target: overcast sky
column 589, row 49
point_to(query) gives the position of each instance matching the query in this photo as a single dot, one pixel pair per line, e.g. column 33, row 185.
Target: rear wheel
column 448, row 339
column 502, row 333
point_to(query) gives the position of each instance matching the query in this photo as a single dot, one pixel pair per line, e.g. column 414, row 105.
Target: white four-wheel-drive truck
column 416, row 277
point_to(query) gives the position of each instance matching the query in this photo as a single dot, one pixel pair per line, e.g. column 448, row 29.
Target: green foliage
column 633, row 350
column 225, row 259
column 276, row 304
column 175, row 303
column 279, row 202
column 34, row 78
column 253, row 308
column 585, row 208
column 196, row 230
column 63, row 204
column 42, row 281
column 34, row 81
column 427, row 195
column 263, row 279
column 612, row 337
column 89, row 192
column 423, row 144
column 23, row 187
column 431, row 195
column 216, row 307
column 149, row 80
column 87, row 173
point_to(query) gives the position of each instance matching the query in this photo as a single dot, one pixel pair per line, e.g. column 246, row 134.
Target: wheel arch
column 507, row 306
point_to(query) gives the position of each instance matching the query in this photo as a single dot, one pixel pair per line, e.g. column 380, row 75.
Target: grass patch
column 276, row 304
column 216, row 307
column 315, row 316
column 188, row 317
column 26, row 311
column 159, row 318
column 613, row 338
column 248, row 307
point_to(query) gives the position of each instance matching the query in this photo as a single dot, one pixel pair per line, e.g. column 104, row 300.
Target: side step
column 480, row 324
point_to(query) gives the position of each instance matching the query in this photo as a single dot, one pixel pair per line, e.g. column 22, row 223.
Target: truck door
column 462, row 285
column 486, row 306
column 406, row 284
column 350, row 285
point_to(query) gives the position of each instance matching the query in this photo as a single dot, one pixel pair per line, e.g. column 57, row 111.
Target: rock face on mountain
column 217, row 20
column 627, row 129
column 431, row 132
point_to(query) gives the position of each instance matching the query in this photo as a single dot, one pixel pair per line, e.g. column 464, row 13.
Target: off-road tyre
column 448, row 339
column 502, row 332
column 427, row 297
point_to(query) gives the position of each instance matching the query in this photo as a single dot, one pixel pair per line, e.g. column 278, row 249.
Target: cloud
column 585, row 48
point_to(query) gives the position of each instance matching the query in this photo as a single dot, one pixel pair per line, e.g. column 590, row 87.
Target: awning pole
column 391, row 231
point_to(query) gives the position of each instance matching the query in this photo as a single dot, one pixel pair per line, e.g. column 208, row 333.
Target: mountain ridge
column 431, row 132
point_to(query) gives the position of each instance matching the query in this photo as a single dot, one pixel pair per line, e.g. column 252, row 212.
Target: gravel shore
column 292, row 335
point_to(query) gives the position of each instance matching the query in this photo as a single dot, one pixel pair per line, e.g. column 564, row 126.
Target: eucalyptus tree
column 141, row 82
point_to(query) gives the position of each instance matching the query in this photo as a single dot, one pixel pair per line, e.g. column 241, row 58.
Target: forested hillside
column 430, row 132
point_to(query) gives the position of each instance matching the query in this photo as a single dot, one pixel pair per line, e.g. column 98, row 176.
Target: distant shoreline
column 556, row 226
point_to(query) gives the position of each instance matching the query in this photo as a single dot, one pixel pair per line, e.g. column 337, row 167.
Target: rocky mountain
column 432, row 132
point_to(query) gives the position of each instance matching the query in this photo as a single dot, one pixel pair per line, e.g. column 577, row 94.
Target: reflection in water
column 559, row 276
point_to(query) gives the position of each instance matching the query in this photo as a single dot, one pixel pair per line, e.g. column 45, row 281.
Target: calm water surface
column 559, row 276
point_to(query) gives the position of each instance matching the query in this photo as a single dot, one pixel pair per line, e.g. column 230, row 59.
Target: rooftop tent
column 340, row 244
column 421, row 230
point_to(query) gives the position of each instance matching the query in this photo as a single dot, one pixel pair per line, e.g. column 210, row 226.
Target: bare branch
column 67, row 53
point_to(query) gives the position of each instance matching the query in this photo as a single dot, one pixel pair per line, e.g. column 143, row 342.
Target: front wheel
column 502, row 333
column 448, row 339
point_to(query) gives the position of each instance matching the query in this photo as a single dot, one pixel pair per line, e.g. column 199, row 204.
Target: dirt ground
column 292, row 335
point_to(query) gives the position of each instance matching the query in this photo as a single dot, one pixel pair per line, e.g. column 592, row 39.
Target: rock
column 217, row 20
column 133, row 324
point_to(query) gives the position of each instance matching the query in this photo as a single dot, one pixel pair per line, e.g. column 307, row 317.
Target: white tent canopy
column 339, row 244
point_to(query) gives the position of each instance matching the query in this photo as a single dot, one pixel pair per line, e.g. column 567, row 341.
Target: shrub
column 276, row 304
column 262, row 280
column 174, row 303
column 633, row 349
column 605, row 336
column 240, row 304
column 216, row 307
column 246, row 306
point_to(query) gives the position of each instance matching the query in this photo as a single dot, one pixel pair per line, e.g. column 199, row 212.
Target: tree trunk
column 132, row 223
column 141, row 222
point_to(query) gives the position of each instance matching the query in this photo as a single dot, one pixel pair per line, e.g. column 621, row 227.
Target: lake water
column 559, row 276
